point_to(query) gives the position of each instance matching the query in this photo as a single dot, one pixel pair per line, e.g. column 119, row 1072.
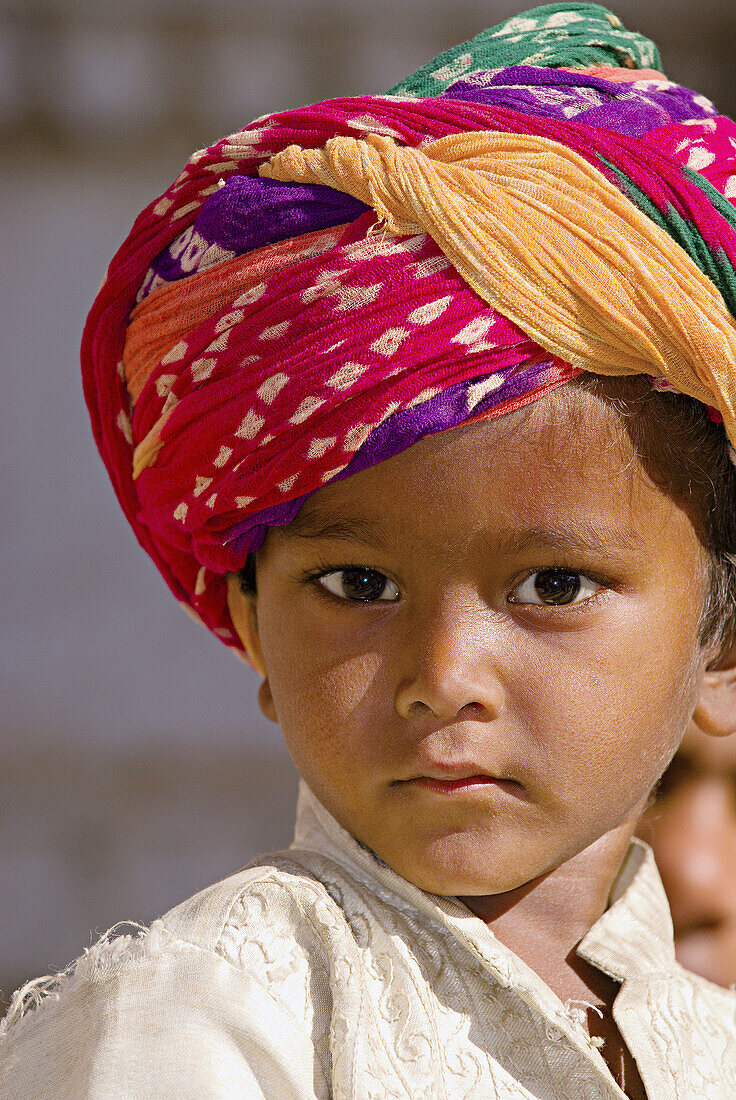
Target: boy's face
column 484, row 651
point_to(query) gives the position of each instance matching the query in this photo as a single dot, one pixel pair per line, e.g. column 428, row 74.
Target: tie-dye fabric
column 255, row 339
column 247, row 213
column 552, row 36
column 378, row 331
column 545, row 239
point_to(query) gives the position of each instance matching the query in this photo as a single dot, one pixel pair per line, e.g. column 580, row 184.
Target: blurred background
column 135, row 767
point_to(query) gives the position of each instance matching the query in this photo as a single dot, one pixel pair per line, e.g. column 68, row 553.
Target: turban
column 321, row 289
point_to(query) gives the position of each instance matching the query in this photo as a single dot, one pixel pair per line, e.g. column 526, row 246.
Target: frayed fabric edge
column 38, row 993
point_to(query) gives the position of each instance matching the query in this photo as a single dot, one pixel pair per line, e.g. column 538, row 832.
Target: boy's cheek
column 332, row 703
column 332, row 682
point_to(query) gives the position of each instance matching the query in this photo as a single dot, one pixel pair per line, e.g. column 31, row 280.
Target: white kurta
column 319, row 972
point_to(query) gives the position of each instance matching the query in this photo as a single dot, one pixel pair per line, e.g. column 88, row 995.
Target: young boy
column 692, row 830
column 422, row 401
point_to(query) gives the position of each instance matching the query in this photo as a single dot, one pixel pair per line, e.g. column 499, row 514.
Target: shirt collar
column 633, row 936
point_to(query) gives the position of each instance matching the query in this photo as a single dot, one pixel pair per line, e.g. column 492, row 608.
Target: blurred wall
column 135, row 767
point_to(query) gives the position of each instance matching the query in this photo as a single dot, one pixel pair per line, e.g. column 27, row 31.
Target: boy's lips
column 448, row 778
column 447, row 786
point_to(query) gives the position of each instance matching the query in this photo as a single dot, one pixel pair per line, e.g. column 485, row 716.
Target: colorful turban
column 318, row 291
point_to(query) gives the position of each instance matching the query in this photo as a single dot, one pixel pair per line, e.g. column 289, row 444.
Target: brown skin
column 576, row 710
column 692, row 828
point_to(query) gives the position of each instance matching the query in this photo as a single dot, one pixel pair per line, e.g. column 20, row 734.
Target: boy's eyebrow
column 596, row 538
column 306, row 526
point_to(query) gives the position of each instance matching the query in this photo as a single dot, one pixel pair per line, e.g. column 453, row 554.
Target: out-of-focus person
column 692, row 828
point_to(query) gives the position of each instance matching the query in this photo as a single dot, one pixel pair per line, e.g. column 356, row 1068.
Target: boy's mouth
column 449, row 778
column 448, row 786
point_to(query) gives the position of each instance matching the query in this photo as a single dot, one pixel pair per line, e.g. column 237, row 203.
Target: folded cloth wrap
column 321, row 289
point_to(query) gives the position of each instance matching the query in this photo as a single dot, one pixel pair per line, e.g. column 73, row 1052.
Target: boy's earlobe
column 242, row 608
column 243, row 612
column 715, row 713
column 265, row 701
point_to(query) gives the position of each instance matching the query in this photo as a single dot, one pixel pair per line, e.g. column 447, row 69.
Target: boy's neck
column 544, row 920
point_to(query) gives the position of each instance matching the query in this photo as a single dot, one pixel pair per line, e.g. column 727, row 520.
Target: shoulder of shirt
column 275, row 902
column 720, row 999
column 274, row 895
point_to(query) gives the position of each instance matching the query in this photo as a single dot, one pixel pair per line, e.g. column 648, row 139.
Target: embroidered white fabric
column 319, row 973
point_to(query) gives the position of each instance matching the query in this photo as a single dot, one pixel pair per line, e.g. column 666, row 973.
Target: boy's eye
column 359, row 584
column 555, row 588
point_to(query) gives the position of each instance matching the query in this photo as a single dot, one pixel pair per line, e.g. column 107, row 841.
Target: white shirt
column 319, row 972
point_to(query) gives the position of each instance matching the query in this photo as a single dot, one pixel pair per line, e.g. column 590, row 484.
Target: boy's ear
column 242, row 608
column 243, row 612
column 715, row 713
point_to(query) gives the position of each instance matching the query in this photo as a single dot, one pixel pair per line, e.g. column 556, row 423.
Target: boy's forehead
column 545, row 474
column 568, row 428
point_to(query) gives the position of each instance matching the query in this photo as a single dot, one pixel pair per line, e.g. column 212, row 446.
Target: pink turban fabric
column 325, row 287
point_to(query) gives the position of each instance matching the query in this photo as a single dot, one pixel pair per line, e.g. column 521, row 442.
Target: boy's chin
column 454, row 873
column 468, row 886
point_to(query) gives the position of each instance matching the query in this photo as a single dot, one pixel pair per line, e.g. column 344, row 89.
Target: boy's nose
column 447, row 668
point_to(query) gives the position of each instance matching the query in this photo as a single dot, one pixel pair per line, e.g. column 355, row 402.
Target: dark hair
column 685, row 453
column 247, row 576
